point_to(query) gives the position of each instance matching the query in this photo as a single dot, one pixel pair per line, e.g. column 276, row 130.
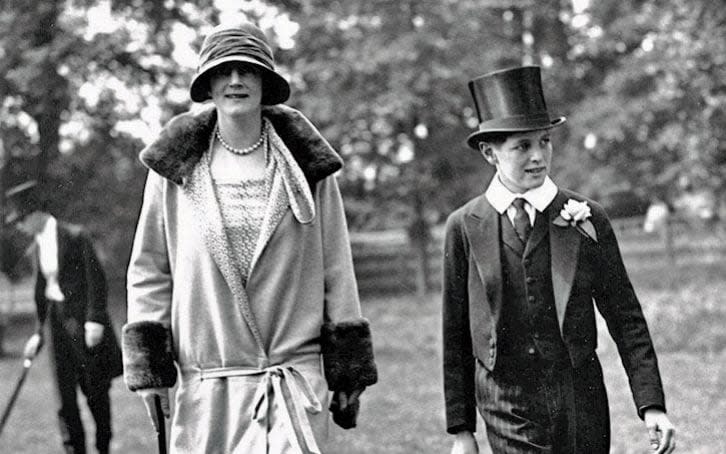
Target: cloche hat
column 241, row 42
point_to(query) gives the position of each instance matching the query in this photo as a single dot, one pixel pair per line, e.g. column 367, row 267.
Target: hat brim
column 19, row 189
column 479, row 136
column 275, row 89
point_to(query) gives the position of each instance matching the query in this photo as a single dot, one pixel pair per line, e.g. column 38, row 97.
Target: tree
column 658, row 100
column 386, row 81
column 68, row 87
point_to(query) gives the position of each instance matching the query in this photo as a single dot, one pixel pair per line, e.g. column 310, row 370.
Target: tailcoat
column 584, row 271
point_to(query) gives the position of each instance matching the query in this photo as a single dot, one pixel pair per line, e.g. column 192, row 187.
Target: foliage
column 657, row 98
column 386, row 81
column 66, row 88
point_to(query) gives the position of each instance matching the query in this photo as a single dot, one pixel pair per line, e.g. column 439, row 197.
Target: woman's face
column 236, row 88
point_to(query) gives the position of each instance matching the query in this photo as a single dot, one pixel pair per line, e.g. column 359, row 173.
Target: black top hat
column 510, row 100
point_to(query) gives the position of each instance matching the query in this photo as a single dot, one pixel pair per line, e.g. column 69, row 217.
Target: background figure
column 70, row 293
column 241, row 272
column 523, row 264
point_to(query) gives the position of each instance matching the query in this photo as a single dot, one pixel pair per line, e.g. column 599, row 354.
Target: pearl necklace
column 241, row 151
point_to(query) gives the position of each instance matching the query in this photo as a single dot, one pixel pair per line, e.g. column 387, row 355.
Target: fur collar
column 185, row 138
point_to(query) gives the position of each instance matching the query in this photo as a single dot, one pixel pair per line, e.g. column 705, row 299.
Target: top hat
column 510, row 100
column 241, row 42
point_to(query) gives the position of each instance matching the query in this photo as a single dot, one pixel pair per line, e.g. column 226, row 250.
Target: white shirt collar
column 501, row 198
column 47, row 240
column 48, row 230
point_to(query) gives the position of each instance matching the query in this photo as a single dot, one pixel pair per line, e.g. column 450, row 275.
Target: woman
column 241, row 274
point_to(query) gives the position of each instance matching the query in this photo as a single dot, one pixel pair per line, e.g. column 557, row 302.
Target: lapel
column 564, row 250
column 482, row 229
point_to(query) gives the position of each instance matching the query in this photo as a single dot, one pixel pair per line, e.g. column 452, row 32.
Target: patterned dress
column 243, row 204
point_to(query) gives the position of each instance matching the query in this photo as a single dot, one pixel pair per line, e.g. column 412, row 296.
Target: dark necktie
column 521, row 220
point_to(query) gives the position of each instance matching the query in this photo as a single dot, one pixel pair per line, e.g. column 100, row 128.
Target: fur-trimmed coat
column 187, row 306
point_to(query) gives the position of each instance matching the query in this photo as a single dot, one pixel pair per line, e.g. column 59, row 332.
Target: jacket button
column 529, row 280
column 531, row 350
column 536, row 335
column 530, row 298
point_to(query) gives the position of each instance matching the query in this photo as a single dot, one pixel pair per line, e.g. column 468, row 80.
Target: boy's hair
column 496, row 138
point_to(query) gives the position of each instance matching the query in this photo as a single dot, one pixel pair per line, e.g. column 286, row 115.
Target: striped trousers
column 538, row 408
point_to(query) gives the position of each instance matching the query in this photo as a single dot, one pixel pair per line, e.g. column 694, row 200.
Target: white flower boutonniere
column 577, row 215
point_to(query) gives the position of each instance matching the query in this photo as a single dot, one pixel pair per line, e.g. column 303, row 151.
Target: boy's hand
column 661, row 433
column 465, row 443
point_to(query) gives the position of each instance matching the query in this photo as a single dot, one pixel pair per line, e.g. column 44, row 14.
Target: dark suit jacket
column 83, row 283
column 582, row 270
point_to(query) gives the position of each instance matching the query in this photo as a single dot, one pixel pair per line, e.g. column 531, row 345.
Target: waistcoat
column 529, row 330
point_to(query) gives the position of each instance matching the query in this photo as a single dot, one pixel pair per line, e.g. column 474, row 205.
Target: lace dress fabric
column 243, row 204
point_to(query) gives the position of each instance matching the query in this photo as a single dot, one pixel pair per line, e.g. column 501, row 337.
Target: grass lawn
column 403, row 413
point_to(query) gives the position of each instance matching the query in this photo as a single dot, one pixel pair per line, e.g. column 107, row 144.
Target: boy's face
column 523, row 160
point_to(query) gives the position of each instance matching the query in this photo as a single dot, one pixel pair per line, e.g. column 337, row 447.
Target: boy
column 523, row 264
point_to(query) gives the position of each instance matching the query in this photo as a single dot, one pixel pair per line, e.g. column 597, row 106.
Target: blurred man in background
column 71, row 294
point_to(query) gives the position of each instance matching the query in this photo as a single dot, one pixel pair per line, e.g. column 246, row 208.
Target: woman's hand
column 345, row 406
column 148, row 396
column 465, row 443
column 348, row 398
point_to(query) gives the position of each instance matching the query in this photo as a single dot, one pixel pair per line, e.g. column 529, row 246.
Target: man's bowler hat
column 509, row 100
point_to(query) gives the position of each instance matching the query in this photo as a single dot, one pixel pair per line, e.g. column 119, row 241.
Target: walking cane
column 160, row 425
column 6, row 414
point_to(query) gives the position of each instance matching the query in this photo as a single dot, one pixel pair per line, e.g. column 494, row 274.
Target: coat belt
column 280, row 380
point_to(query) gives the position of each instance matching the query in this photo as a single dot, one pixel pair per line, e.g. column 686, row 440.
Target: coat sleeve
column 458, row 358
column 41, row 302
column 147, row 343
column 96, row 286
column 617, row 302
column 345, row 336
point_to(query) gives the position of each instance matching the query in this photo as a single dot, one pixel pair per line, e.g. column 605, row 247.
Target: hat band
column 516, row 122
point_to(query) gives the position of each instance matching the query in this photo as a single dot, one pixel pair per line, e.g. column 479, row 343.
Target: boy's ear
column 486, row 150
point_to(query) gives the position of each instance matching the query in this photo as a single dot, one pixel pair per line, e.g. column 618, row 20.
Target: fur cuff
column 148, row 356
column 348, row 355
